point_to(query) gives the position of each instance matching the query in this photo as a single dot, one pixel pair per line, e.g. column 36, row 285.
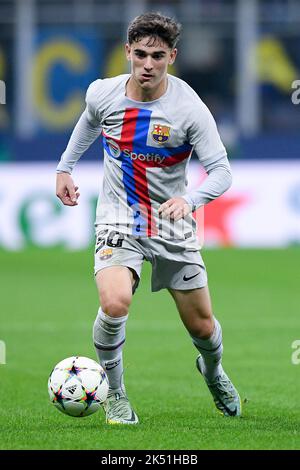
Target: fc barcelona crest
column 160, row 133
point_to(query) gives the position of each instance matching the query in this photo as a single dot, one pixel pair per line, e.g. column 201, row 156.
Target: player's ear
column 127, row 51
column 173, row 55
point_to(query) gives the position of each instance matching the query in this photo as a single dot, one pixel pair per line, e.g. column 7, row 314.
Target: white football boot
column 225, row 395
column 118, row 409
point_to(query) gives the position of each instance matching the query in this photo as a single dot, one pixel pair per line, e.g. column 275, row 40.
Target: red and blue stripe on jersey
column 134, row 134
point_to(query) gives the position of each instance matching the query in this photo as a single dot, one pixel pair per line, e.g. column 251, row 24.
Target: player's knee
column 116, row 307
column 202, row 328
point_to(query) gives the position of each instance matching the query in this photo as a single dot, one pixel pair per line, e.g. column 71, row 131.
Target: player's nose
column 148, row 64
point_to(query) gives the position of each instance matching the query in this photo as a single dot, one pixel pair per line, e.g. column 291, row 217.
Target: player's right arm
column 87, row 129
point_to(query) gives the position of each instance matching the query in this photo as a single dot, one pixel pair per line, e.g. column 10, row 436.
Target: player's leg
column 117, row 270
column 114, row 285
column 195, row 310
column 184, row 275
column 194, row 307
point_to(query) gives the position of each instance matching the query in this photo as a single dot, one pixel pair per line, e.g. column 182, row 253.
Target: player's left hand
column 175, row 208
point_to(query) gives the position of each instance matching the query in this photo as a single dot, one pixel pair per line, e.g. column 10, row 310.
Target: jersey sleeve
column 204, row 136
column 87, row 129
column 92, row 102
column 219, row 179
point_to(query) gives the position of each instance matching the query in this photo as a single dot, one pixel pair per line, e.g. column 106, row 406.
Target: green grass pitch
column 48, row 304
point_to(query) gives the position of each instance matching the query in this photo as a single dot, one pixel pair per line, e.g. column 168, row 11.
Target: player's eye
column 157, row 56
column 140, row 54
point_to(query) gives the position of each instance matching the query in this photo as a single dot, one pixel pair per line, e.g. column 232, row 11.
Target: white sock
column 211, row 351
column 109, row 338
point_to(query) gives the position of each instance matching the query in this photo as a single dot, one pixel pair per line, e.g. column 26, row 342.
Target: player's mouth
column 146, row 76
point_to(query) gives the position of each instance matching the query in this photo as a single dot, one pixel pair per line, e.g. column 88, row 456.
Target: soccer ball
column 77, row 386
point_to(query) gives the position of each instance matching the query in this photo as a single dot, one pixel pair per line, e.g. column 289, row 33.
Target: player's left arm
column 218, row 181
column 204, row 137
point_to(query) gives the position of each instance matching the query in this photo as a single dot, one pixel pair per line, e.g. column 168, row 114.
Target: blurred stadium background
column 241, row 56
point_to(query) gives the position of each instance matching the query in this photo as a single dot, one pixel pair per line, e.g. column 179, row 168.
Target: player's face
column 149, row 61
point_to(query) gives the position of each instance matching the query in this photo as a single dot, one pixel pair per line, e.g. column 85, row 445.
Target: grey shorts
column 173, row 266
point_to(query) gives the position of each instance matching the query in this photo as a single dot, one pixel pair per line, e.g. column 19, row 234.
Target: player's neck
column 135, row 92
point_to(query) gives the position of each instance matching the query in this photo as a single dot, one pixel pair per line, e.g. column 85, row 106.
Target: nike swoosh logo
column 112, row 365
column 228, row 410
column 132, row 420
column 191, row 277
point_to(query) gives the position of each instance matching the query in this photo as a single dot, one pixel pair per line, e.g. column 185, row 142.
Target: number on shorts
column 101, row 239
column 115, row 239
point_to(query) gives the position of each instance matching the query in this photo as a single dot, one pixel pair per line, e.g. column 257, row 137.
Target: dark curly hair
column 157, row 27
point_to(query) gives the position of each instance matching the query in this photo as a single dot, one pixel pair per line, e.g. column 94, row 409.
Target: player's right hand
column 66, row 190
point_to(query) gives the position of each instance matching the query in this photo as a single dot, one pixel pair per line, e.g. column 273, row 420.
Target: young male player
column 150, row 122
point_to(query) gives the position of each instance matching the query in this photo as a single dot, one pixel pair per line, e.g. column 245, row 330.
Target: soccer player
column 150, row 123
